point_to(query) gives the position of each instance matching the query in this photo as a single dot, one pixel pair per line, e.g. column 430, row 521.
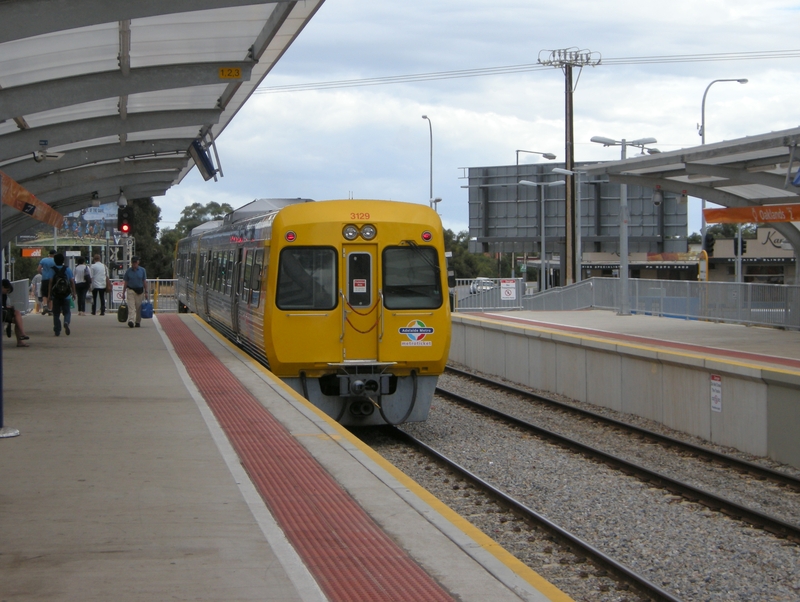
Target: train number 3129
column 359, row 216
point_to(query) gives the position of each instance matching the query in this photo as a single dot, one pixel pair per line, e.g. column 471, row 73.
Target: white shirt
column 99, row 275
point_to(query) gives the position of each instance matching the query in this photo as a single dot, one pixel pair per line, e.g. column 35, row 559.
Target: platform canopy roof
column 102, row 97
column 751, row 171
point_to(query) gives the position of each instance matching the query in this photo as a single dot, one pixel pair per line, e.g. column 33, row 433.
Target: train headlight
column 427, row 236
column 350, row 232
column 368, row 232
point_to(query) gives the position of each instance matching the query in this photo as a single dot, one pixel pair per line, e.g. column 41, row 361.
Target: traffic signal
column 736, row 247
column 125, row 219
column 744, row 246
column 708, row 244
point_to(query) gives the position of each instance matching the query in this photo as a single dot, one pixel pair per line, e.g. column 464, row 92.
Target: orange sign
column 14, row 195
column 754, row 215
column 32, row 252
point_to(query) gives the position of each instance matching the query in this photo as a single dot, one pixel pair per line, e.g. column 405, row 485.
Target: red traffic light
column 124, row 219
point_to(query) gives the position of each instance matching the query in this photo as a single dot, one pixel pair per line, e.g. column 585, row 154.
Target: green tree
column 156, row 257
column 463, row 263
column 196, row 214
column 749, row 231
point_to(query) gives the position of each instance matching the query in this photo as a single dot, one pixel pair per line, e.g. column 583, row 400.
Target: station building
column 507, row 217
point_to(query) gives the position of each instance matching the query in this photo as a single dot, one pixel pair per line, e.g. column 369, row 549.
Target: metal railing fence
column 741, row 303
column 163, row 295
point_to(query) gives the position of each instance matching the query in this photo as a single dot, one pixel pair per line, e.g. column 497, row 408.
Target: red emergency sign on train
column 359, row 285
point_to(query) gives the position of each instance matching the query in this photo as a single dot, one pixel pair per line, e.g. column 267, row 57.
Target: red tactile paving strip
column 351, row 558
column 640, row 340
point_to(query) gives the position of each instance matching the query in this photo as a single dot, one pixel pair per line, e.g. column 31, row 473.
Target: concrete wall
column 760, row 406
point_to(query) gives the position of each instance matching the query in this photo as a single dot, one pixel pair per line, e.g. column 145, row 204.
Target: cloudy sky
column 370, row 141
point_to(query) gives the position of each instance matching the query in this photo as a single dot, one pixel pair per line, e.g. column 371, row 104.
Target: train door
column 361, row 307
column 211, row 270
column 236, row 289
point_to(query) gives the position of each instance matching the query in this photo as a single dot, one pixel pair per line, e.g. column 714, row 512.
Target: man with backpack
column 62, row 291
column 46, row 270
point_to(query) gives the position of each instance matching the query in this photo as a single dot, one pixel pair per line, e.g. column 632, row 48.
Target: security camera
column 658, row 197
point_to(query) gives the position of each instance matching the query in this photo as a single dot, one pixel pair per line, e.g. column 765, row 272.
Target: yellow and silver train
column 345, row 301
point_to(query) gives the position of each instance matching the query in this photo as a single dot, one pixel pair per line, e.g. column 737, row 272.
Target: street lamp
column 550, row 156
column 578, row 249
column 625, row 308
column 430, row 196
column 542, row 255
column 702, row 133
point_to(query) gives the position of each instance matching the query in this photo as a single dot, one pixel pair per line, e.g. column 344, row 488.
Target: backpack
column 59, row 286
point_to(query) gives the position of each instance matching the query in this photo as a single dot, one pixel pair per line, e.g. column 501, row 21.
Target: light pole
column 549, row 156
column 702, row 133
column 578, row 249
column 542, row 254
column 624, row 308
column 430, row 196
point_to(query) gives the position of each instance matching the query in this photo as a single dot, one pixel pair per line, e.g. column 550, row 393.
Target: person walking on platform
column 36, row 291
column 46, row 270
column 83, row 278
column 99, row 283
column 12, row 316
column 134, row 291
column 60, row 300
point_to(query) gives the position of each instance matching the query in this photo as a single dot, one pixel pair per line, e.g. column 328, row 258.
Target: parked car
column 481, row 285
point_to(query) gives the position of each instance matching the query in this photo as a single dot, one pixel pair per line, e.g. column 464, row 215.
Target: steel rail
column 590, row 551
column 749, row 467
column 732, row 509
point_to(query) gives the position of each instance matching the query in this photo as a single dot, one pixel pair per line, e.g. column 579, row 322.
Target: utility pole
column 566, row 59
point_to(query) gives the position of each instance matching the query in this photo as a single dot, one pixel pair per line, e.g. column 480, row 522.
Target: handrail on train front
column 344, row 314
column 380, row 294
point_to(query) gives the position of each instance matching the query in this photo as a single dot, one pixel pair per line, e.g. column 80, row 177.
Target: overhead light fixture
column 684, row 198
column 122, row 201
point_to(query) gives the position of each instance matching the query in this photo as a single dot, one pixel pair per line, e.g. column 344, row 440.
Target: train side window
column 256, row 284
column 218, row 269
column 220, row 283
column 307, row 278
column 411, row 278
column 201, row 274
column 229, row 274
column 248, row 272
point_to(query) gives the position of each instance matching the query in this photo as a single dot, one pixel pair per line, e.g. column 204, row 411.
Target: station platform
column 730, row 384
column 161, row 463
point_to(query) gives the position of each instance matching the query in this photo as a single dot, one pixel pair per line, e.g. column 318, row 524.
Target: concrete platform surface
column 121, row 485
column 715, row 338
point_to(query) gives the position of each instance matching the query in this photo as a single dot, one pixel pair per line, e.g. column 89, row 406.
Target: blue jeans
column 60, row 306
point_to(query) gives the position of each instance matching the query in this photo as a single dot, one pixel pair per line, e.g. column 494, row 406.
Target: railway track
column 772, row 524
column 756, row 470
column 583, row 550
column 690, row 550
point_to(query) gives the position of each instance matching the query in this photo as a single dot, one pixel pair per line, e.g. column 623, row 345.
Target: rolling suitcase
column 122, row 312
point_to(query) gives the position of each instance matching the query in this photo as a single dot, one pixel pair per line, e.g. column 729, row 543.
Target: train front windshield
column 411, row 278
column 307, row 278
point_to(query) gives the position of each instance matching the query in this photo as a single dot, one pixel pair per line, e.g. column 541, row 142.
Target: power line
column 488, row 71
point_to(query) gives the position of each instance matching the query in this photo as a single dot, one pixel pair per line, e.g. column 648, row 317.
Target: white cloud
column 372, row 143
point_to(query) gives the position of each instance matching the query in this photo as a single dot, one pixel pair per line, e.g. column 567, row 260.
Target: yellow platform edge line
column 484, row 541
